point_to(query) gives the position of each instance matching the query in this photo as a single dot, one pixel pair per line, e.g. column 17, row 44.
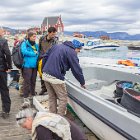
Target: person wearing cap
column 59, row 59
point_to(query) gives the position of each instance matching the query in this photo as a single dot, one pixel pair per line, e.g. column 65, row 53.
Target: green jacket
column 45, row 44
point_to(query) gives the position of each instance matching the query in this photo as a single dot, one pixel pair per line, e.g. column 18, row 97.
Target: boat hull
column 99, row 128
column 101, row 47
column 109, row 47
column 133, row 48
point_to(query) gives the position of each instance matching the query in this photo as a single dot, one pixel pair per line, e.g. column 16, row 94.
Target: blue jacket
column 29, row 56
column 59, row 59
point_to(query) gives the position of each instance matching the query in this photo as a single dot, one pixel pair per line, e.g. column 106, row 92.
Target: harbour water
column 120, row 53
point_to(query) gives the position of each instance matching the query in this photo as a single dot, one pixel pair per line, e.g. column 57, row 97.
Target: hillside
column 115, row 35
column 96, row 34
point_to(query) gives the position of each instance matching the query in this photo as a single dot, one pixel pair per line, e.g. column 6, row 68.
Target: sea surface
column 120, row 53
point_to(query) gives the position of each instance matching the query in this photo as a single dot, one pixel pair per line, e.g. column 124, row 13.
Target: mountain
column 12, row 31
column 115, row 35
column 96, row 34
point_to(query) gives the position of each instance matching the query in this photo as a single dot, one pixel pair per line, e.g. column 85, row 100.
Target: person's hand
column 8, row 71
column 83, row 86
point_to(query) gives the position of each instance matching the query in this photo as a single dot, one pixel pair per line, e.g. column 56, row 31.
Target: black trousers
column 43, row 87
column 6, row 101
column 29, row 75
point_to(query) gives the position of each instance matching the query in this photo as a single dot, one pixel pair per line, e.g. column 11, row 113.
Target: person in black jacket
column 59, row 59
column 47, row 126
column 5, row 66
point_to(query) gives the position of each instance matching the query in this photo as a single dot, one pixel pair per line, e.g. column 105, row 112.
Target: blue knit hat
column 77, row 44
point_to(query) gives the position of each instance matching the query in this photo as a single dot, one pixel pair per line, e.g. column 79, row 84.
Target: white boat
column 95, row 105
column 98, row 44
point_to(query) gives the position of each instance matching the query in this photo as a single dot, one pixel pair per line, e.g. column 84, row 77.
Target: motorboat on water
column 97, row 106
column 98, row 44
column 134, row 47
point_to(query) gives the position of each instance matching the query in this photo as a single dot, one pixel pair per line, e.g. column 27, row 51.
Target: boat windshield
column 89, row 43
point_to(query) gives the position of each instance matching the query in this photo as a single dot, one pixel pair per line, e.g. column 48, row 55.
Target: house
column 54, row 21
column 105, row 37
column 77, row 34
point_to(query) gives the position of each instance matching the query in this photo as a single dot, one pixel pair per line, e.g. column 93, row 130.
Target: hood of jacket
column 70, row 44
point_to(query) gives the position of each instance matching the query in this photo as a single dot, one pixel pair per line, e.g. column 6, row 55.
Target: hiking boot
column 5, row 115
column 34, row 94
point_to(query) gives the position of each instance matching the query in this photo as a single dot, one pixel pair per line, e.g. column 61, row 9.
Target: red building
column 54, row 21
column 105, row 37
column 77, row 34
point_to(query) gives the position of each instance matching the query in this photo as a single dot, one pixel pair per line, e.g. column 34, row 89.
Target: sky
column 77, row 15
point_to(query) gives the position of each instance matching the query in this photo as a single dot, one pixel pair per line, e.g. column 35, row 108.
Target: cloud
column 19, row 3
column 79, row 15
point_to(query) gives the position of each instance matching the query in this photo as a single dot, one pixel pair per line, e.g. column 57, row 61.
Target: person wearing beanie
column 59, row 59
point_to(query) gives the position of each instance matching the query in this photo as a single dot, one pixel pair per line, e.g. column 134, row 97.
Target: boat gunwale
column 109, row 104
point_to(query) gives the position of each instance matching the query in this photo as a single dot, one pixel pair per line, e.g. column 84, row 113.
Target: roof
column 50, row 20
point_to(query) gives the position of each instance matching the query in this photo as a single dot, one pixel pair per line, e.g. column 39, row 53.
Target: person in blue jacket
column 30, row 52
column 59, row 59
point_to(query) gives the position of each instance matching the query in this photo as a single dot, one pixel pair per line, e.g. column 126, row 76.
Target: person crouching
column 48, row 126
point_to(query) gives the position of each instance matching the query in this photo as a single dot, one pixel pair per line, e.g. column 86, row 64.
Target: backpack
column 17, row 56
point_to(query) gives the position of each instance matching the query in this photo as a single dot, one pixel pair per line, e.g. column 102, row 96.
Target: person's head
column 27, row 31
column 77, row 45
column 25, row 116
column 52, row 32
column 32, row 36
